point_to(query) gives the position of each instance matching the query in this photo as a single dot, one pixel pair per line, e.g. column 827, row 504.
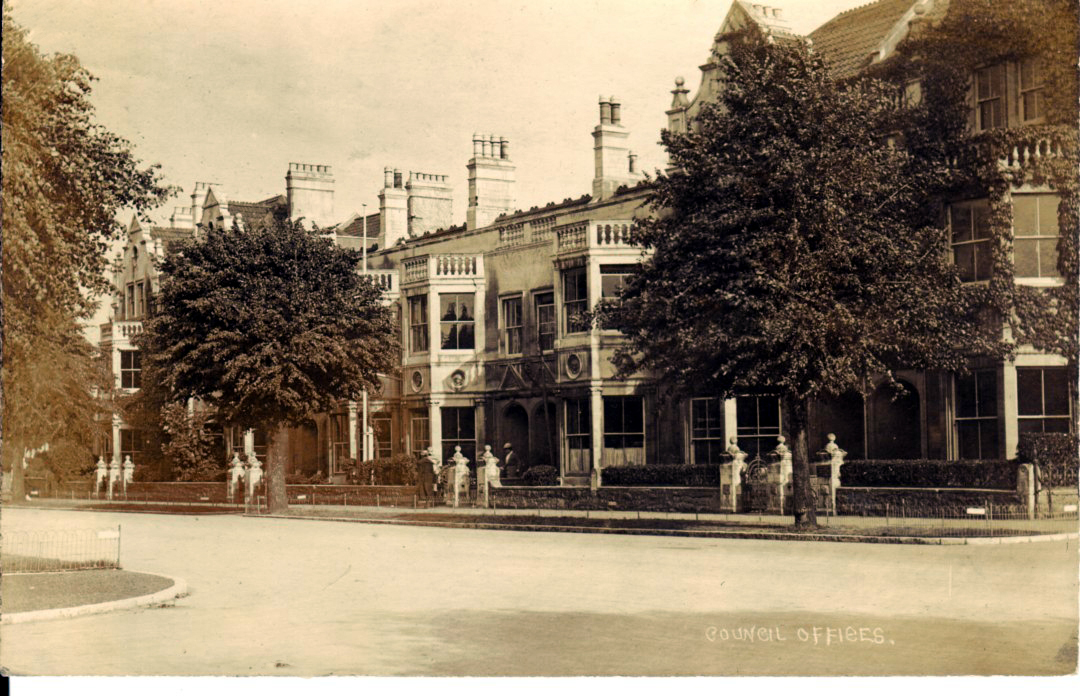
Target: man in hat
column 511, row 464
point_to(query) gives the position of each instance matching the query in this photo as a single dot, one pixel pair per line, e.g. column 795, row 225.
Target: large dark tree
column 270, row 325
column 65, row 178
column 794, row 251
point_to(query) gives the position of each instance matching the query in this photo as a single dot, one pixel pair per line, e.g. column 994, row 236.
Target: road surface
column 310, row 598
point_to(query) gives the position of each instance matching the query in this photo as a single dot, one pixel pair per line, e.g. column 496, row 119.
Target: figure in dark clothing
column 425, row 476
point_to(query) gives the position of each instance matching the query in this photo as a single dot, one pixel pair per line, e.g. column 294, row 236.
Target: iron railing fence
column 984, row 520
column 45, row 550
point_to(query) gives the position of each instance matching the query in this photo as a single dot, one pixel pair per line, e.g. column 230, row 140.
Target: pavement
column 271, row 596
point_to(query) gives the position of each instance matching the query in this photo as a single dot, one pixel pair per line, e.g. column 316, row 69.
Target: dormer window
column 1032, row 91
column 990, row 97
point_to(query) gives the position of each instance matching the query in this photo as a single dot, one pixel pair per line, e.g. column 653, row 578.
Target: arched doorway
column 895, row 425
column 543, row 432
column 515, row 430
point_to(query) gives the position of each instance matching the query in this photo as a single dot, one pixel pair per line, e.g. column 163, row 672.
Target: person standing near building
column 511, row 462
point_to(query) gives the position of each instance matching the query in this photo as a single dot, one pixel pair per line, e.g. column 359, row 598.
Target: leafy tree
column 269, row 325
column 65, row 178
column 797, row 253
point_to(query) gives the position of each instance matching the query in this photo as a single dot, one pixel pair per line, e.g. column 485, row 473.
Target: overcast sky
column 231, row 92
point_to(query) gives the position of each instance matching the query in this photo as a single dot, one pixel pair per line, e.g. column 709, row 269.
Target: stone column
column 836, row 460
column 435, row 427
column 782, row 472
column 731, row 475
column 1025, row 487
column 596, row 408
column 1011, row 410
column 249, row 442
column 352, row 433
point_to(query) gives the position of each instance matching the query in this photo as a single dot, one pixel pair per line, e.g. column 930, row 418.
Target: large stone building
column 493, row 346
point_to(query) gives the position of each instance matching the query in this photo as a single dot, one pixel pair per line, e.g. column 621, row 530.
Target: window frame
column 622, row 440
column 457, row 325
column 1001, row 119
column 552, row 322
column 1043, row 416
column 577, row 430
column 512, row 334
column 419, row 430
column 419, row 334
column 756, row 432
column 709, row 441
column 983, row 423
column 976, row 244
column 451, row 422
column 577, row 306
column 131, row 374
column 1039, row 239
column 1036, row 89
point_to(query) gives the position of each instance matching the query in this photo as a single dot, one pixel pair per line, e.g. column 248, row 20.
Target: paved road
column 296, row 597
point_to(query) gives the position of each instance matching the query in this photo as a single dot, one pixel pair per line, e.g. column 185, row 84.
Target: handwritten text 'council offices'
column 812, row 635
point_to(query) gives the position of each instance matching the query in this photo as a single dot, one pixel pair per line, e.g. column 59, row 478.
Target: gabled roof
column 848, row 41
column 354, row 226
column 769, row 18
column 252, row 212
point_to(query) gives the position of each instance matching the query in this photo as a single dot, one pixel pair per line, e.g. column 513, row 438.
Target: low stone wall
column 917, row 502
column 316, row 494
column 1058, row 501
column 217, row 492
column 653, row 499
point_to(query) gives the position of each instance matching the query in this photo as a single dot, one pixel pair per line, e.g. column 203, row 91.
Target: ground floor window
column 131, row 445
column 578, row 436
column 1043, row 399
column 624, row 431
column 382, row 430
column 707, row 430
column 339, row 439
column 459, row 430
column 758, row 422
column 261, row 442
column 419, row 431
column 976, row 415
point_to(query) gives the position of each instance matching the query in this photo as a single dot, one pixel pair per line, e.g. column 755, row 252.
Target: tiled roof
column 256, row 211
column 171, row 236
column 356, row 227
column 847, row 40
column 770, row 19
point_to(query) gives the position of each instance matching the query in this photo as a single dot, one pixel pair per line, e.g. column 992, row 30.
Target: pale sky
column 231, row 92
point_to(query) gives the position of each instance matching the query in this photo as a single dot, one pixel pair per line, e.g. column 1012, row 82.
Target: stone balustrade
column 541, row 229
column 120, row 331
column 604, row 234
column 572, row 236
column 443, row 267
column 512, row 235
column 385, row 280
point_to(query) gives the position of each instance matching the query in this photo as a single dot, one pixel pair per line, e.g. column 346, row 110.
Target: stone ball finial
column 781, row 439
column 679, row 82
column 733, row 439
column 831, row 437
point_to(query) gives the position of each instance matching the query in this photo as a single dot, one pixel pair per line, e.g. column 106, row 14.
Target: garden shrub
column 541, row 476
column 662, row 475
column 1056, row 454
column 930, row 473
column 399, row 470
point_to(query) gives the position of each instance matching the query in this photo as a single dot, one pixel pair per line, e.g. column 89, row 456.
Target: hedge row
column 662, row 475
column 1056, row 455
column 923, row 473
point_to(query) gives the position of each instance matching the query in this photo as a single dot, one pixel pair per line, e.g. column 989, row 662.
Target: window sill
column 1040, row 282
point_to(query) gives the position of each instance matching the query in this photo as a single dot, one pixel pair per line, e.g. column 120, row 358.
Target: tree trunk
column 277, row 500
column 804, row 503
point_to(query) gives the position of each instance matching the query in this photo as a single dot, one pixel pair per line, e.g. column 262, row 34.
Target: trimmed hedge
column 929, row 473
column 1056, row 455
column 541, row 476
column 662, row 475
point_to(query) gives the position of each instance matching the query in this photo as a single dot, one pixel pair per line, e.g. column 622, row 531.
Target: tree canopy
column 65, row 178
column 269, row 325
column 795, row 251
